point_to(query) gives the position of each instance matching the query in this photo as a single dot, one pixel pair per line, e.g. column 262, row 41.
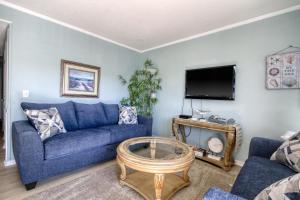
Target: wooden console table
column 178, row 124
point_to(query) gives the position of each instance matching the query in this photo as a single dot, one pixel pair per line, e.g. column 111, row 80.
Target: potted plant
column 142, row 88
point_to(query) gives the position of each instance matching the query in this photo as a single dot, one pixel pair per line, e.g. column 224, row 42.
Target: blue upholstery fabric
column 95, row 115
column 259, row 171
column 53, row 167
column 263, row 147
column 147, row 121
column 66, row 111
column 112, row 113
column 218, row 194
column 28, row 151
column 257, row 174
column 74, row 142
column 124, row 131
column 37, row 160
column 90, row 115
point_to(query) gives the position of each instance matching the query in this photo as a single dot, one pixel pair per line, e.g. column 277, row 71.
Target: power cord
column 189, row 132
column 192, row 107
column 201, row 104
column 182, row 105
column 186, row 135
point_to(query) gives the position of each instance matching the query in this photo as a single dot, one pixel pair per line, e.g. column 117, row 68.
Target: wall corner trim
column 239, row 163
column 9, row 163
column 228, row 27
column 36, row 14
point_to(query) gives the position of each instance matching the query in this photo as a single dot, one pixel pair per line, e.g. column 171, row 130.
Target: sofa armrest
column 263, row 147
column 147, row 121
column 218, row 194
column 28, row 151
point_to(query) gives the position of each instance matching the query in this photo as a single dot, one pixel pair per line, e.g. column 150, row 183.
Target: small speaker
column 185, row 116
column 230, row 121
column 220, row 120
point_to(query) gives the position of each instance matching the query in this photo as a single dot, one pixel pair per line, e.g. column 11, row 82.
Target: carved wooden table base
column 154, row 179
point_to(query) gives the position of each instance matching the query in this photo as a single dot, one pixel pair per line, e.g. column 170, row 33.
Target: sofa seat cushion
column 74, row 142
column 122, row 132
column 66, row 111
column 257, row 174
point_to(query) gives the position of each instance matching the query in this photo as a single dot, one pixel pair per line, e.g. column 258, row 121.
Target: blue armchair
column 257, row 173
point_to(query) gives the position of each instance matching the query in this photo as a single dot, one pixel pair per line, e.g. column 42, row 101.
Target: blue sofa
column 257, row 173
column 92, row 136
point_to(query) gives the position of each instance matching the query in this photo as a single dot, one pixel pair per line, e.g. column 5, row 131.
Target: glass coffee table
column 160, row 166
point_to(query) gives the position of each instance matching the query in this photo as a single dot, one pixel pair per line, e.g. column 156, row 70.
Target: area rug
column 103, row 184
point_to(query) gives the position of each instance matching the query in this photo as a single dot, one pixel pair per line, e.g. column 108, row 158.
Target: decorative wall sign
column 79, row 79
column 283, row 71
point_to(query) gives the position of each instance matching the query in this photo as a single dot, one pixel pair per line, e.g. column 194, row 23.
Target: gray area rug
column 103, row 184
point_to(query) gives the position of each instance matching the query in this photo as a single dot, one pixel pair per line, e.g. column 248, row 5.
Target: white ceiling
column 145, row 24
column 3, row 27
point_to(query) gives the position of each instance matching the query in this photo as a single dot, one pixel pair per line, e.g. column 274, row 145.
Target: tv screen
column 210, row 83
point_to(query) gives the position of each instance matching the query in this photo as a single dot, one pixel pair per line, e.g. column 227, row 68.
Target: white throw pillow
column 285, row 189
column 128, row 115
column 47, row 122
column 289, row 154
column 290, row 135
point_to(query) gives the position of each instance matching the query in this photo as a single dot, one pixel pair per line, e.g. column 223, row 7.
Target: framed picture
column 79, row 80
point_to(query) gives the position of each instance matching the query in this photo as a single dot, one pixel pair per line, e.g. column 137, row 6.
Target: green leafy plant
column 142, row 88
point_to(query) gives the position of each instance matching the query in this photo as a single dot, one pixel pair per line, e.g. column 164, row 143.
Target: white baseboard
column 9, row 163
column 239, row 163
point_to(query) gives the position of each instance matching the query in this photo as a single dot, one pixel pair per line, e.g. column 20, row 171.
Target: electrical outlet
column 25, row 93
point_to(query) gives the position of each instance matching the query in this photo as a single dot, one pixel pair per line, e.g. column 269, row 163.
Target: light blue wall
column 37, row 46
column 261, row 112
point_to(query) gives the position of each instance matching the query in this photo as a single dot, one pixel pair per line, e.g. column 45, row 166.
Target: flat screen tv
column 210, row 83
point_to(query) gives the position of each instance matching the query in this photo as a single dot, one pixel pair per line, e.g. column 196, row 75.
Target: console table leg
column 175, row 130
column 158, row 185
column 182, row 131
column 123, row 169
column 230, row 143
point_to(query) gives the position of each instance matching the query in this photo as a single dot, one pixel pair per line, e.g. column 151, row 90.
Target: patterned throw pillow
column 285, row 189
column 47, row 122
column 289, row 154
column 293, row 195
column 128, row 115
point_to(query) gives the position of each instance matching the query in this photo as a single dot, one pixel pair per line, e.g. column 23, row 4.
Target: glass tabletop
column 157, row 149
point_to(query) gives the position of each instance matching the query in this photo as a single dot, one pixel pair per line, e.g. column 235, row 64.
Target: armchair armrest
column 263, row 147
column 218, row 194
column 28, row 151
column 147, row 121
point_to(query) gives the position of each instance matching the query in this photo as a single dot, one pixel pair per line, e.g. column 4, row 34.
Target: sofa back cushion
column 66, row 111
column 96, row 115
column 112, row 113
